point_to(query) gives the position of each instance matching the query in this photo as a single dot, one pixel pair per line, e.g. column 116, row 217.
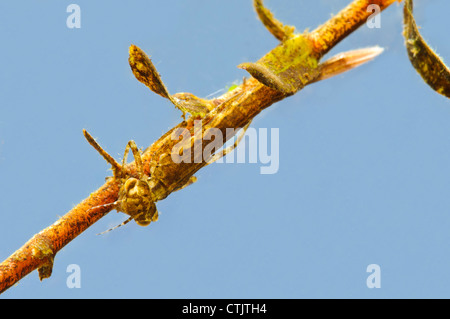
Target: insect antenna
column 123, row 223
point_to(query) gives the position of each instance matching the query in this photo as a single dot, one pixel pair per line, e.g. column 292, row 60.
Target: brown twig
column 326, row 36
column 234, row 109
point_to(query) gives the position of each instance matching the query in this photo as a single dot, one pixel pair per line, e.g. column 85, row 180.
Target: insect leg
column 137, row 157
column 227, row 150
column 116, row 168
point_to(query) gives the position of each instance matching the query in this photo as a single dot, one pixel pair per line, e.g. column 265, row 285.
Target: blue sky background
column 364, row 157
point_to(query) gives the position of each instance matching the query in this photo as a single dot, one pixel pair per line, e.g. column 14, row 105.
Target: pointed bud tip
column 243, row 66
column 376, row 50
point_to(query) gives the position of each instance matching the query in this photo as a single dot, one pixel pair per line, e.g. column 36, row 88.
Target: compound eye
column 143, row 219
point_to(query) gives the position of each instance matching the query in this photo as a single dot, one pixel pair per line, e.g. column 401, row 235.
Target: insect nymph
column 135, row 196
